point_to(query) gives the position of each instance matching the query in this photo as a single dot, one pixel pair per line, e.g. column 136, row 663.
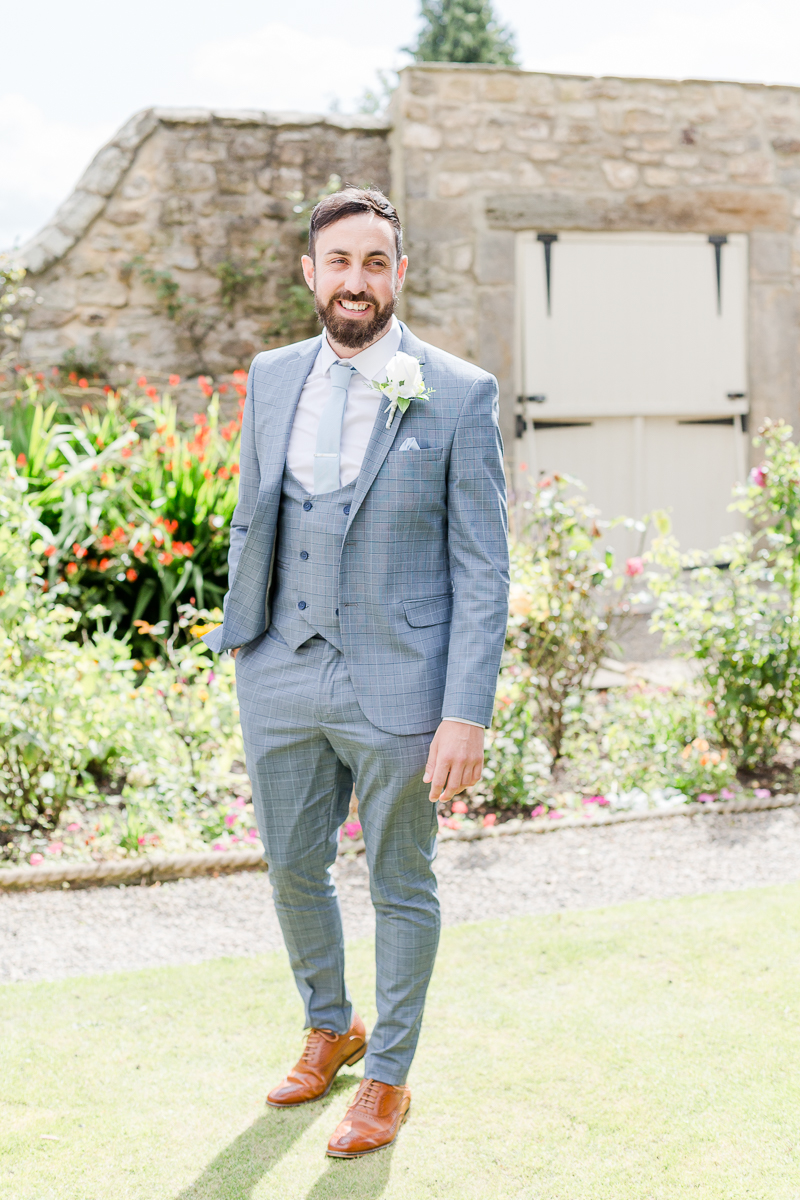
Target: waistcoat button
column 302, row 604
column 347, row 509
column 337, row 612
column 304, row 554
column 307, row 505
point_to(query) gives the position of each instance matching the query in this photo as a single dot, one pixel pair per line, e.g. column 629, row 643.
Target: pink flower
column 235, row 839
column 252, row 835
column 352, row 829
column 727, row 794
column 73, row 828
column 634, row 566
column 539, row 811
column 762, row 793
column 218, row 846
column 141, row 840
column 458, row 806
column 452, row 823
column 555, row 816
column 239, row 802
column 758, row 476
column 230, row 819
column 489, row 819
column 55, row 847
column 36, row 859
column 705, row 797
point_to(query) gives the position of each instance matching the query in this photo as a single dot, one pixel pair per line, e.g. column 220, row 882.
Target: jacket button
column 347, row 510
column 307, row 505
column 302, row 604
column 304, row 554
column 337, row 612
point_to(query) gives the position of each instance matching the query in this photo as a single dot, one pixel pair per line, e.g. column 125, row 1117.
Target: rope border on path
column 163, row 868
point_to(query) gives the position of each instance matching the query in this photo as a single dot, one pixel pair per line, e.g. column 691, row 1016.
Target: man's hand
column 455, row 760
column 234, row 651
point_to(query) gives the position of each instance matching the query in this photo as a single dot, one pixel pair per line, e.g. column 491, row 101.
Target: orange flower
column 200, row 419
column 158, row 537
column 127, row 451
column 131, row 575
column 22, row 460
column 174, row 380
column 207, row 474
column 106, row 543
column 138, row 550
column 92, row 564
column 49, row 551
column 83, row 383
column 240, row 375
column 169, row 466
column 72, row 568
column 104, row 564
column 73, row 378
column 105, row 479
column 151, row 392
column 223, row 473
column 241, row 389
column 235, row 469
column 78, row 550
column 161, row 429
column 223, row 387
column 141, row 381
column 165, row 558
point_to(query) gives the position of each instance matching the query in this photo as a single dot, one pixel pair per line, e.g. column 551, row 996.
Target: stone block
column 134, row 131
column 417, row 136
column 102, row 290
column 620, row 175
column 177, row 210
column 136, row 187
column 105, row 171
column 660, row 177
column 752, row 168
column 452, row 183
column 494, row 257
column 501, row 87
column 770, row 256
column 193, row 177
column 544, row 152
column 264, row 179
column 234, row 179
column 649, row 119
column 77, row 212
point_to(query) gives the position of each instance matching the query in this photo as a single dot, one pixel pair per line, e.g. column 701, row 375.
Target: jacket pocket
column 435, row 611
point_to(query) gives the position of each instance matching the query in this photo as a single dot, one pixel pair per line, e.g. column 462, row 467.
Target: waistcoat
column 311, row 530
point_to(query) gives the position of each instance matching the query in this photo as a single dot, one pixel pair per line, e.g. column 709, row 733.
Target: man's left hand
column 455, row 760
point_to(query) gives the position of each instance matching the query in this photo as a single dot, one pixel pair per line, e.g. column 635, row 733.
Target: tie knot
column 341, row 374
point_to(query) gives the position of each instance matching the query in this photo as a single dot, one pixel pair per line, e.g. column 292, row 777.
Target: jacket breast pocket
column 409, row 459
column 435, row 611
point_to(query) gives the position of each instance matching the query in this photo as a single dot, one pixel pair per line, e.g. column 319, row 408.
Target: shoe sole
column 375, row 1149
column 348, row 1062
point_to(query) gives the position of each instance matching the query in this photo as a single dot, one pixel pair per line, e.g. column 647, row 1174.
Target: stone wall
column 178, row 249
column 480, row 153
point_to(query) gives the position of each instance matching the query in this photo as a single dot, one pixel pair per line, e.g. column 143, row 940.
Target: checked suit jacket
column 423, row 572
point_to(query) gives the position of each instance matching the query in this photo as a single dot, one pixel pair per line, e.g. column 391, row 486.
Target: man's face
column 355, row 278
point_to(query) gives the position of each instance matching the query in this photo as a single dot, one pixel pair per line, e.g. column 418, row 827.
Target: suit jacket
column 423, row 573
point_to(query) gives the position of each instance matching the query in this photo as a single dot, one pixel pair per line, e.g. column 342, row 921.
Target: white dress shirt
column 360, row 412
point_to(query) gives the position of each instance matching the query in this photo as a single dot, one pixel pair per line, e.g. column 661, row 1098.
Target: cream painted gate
column 632, row 372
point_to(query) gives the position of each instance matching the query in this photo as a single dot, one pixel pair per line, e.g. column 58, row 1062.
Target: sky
column 72, row 74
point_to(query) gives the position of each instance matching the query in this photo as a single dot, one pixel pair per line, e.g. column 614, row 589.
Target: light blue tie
column 329, row 433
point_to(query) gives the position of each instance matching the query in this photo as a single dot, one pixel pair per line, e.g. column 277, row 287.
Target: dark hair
column 349, row 203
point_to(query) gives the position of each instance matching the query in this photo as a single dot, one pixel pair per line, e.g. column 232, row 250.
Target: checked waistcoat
column 310, row 534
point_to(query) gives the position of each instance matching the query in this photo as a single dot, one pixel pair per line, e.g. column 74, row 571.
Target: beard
column 354, row 334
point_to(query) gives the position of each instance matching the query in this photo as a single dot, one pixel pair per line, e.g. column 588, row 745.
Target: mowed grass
column 645, row 1051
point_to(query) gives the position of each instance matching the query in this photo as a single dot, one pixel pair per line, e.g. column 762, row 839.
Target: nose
column 355, row 280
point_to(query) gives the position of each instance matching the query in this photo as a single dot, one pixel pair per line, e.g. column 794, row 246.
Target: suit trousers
column 307, row 742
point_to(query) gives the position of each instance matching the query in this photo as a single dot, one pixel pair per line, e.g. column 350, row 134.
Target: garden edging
column 163, row 868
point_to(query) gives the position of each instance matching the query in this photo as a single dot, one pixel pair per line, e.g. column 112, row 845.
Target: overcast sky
column 73, row 73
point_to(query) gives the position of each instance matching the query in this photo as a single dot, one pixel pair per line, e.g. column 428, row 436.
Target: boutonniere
column 404, row 383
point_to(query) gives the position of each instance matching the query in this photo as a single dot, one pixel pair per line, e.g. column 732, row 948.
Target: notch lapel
column 382, row 439
column 287, row 384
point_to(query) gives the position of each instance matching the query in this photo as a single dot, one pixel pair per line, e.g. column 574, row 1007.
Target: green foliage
column 16, row 301
column 743, row 622
column 189, row 314
column 463, row 31
column 237, row 278
column 91, row 363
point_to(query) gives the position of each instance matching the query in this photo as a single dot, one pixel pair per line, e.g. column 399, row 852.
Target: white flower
column 403, row 377
column 404, row 383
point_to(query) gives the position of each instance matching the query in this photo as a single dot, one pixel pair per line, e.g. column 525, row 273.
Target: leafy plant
column 742, row 623
column 16, row 301
column 463, row 31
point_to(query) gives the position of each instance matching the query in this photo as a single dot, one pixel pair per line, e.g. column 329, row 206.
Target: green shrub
column 742, row 623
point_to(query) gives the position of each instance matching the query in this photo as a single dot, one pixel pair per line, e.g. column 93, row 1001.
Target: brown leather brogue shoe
column 325, row 1053
column 372, row 1121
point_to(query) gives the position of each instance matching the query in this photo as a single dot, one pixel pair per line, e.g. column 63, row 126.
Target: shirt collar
column 370, row 363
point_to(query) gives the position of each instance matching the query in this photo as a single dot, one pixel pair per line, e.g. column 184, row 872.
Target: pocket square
column 410, row 444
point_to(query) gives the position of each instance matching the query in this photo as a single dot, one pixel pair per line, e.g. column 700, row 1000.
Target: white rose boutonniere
column 404, row 383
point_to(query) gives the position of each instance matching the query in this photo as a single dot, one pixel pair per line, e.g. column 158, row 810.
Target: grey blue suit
column 364, row 616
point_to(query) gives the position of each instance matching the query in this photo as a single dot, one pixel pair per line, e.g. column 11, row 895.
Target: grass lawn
column 645, row 1051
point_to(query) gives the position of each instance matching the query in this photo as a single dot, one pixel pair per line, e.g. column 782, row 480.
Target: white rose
column 404, row 376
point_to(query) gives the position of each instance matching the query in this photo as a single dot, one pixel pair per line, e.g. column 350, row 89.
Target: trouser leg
column 399, row 824
column 301, row 793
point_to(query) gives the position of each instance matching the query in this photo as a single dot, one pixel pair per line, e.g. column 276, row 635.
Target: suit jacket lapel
column 381, row 439
column 287, row 384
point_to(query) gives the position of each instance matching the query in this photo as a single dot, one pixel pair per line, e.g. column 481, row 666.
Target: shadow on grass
column 237, row 1169
column 356, row 1178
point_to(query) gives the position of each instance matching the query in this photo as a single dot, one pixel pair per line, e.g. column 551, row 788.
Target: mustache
column 366, row 297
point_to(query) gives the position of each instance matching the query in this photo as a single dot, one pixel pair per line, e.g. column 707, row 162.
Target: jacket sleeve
column 478, row 548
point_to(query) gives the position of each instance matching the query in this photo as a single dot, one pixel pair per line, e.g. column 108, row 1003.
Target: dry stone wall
column 480, row 153
column 179, row 248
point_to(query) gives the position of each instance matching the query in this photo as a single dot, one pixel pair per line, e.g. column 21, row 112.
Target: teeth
column 354, row 305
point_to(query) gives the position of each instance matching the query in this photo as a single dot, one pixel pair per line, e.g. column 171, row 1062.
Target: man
column 368, row 597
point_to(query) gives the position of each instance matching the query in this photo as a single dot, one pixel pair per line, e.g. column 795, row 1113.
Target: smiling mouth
column 354, row 306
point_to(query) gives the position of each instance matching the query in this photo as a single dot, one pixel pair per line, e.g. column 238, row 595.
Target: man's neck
column 351, row 351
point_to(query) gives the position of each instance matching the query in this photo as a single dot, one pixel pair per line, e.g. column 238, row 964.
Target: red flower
column 223, row 473
column 152, row 393
column 49, row 551
column 200, row 419
column 73, row 378
column 634, row 566
column 72, row 568
column 158, row 537
column 104, row 564
column 21, row 460
column 106, row 543
column 127, row 451
column 206, row 390
column 138, row 550
column 131, row 575
column 141, row 381
column 174, row 380
column 83, row 383
column 235, row 469
column 119, row 534
column 78, row 550
column 207, row 474
column 223, row 387
column 241, row 375
column 241, row 389
column 165, row 558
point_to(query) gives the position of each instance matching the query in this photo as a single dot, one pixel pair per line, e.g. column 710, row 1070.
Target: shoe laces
column 367, row 1095
column 315, row 1039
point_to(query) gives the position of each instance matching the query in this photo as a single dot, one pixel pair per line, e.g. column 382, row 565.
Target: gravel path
column 49, row 935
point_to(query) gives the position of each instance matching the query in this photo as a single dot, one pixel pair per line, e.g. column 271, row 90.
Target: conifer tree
column 463, row 31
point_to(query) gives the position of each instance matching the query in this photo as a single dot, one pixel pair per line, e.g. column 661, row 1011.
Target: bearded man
column 368, row 601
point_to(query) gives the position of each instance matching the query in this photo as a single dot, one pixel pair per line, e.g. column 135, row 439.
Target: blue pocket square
column 410, row 444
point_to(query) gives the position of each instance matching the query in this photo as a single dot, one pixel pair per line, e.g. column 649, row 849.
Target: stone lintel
column 701, row 210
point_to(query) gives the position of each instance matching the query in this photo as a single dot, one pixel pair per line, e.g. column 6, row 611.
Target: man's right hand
column 235, row 651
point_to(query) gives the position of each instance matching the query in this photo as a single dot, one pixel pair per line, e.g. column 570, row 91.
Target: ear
column 402, row 267
column 308, row 270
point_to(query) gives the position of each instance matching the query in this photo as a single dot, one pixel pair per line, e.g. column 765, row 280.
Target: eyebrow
column 371, row 254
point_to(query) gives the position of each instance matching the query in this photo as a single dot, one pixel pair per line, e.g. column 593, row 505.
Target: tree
column 463, row 31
